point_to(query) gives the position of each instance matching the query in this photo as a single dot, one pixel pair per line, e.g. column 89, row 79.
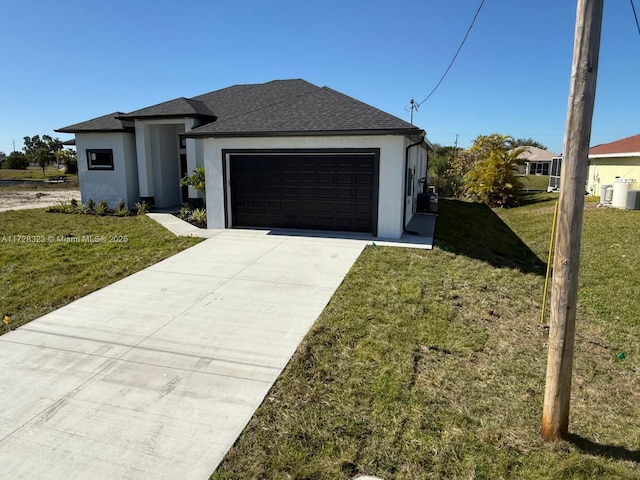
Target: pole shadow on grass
column 474, row 230
column 615, row 452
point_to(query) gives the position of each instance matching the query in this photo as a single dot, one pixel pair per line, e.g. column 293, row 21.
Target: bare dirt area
column 21, row 200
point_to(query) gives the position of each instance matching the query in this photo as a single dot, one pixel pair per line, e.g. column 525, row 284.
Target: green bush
column 71, row 165
column 195, row 180
column 142, row 207
column 184, row 213
column 102, row 208
column 494, row 180
column 16, row 161
column 199, row 217
column 62, row 207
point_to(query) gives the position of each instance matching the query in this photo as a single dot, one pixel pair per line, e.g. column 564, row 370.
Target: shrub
column 71, row 165
column 494, row 181
column 184, row 213
column 16, row 161
column 91, row 206
column 142, row 207
column 123, row 210
column 62, row 207
column 195, row 180
column 199, row 217
column 102, row 208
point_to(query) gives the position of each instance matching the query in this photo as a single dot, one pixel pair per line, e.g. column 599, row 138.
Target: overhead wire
column 456, row 55
column 635, row 15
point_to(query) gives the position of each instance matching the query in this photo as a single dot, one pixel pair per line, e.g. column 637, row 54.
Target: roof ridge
column 219, row 91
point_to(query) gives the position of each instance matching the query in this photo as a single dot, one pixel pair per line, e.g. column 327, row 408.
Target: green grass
column 431, row 365
column 535, row 182
column 45, row 264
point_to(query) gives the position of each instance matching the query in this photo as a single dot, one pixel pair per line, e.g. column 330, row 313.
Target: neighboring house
column 609, row 161
column 537, row 161
column 282, row 154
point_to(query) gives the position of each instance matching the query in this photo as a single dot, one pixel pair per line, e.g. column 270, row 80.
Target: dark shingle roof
column 179, row 107
column 319, row 111
column 239, row 99
column 106, row 123
column 624, row 145
column 279, row 107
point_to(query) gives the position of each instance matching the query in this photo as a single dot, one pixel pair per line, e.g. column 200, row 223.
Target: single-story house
column 281, row 154
column 609, row 161
column 537, row 161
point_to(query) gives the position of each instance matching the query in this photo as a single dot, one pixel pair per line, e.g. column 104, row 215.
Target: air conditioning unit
column 606, row 194
column 620, row 189
column 633, row 200
column 427, row 202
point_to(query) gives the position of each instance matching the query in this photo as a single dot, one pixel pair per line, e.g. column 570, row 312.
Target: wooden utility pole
column 566, row 262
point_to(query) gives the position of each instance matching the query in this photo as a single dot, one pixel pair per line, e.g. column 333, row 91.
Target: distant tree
column 493, row 178
column 3, row 157
column 526, row 142
column 16, row 161
column 69, row 158
column 41, row 157
column 42, row 150
column 440, row 171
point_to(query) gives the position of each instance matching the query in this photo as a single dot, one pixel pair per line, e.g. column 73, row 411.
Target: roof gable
column 105, row 123
column 535, row 154
column 625, row 145
column 179, row 107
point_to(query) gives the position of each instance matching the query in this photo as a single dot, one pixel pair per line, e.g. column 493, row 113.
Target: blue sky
column 66, row 62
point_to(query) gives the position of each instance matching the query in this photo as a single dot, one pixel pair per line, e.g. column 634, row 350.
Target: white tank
column 620, row 189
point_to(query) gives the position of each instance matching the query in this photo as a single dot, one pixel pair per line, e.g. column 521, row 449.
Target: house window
column 100, row 159
column 539, row 168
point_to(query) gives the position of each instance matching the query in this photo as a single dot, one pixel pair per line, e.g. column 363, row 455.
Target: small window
column 101, row 159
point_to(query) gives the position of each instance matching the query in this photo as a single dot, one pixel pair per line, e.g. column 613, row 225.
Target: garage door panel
column 361, row 193
column 326, row 192
column 345, row 178
column 289, row 191
column 317, row 191
column 362, row 209
column 343, row 193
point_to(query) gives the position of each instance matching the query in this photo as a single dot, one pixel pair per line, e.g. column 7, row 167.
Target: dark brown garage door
column 324, row 192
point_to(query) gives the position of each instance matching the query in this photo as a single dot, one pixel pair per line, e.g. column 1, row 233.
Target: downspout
column 404, row 197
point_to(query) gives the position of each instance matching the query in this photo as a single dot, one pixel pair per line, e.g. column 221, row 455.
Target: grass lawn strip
column 49, row 259
column 429, row 365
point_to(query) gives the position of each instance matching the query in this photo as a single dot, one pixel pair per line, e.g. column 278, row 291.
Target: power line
column 635, row 15
column 456, row 55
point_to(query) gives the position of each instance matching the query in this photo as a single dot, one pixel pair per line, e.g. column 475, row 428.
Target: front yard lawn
column 431, row 365
column 50, row 259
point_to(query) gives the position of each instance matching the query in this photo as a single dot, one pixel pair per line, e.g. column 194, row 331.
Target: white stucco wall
column 158, row 153
column 110, row 186
column 391, row 172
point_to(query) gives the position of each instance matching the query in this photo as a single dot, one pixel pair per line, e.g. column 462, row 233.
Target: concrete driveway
column 156, row 375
